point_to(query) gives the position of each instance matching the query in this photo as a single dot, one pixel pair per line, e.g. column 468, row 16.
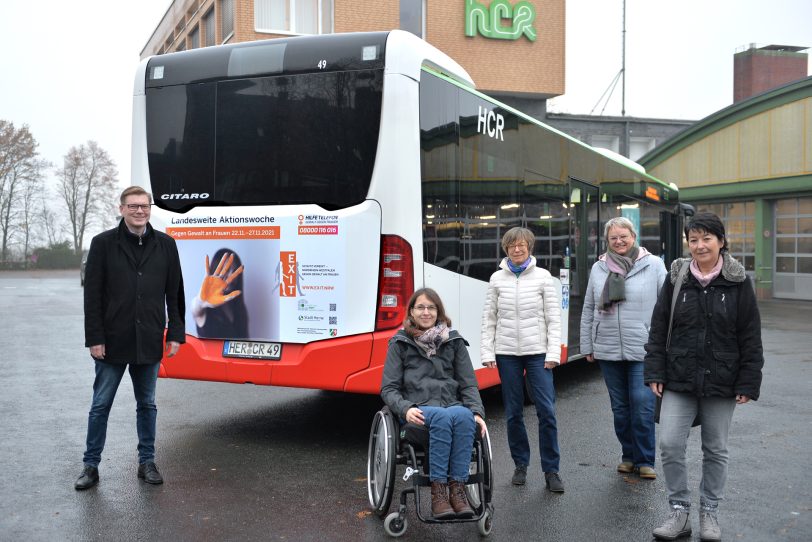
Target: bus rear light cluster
column 395, row 282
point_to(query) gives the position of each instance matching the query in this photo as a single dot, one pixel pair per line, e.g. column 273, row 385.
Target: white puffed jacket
column 522, row 315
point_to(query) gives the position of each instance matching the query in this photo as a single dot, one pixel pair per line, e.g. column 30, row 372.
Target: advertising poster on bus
column 262, row 278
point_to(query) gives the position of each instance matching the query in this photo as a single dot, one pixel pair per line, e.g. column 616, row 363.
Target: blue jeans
column 633, row 408
column 540, row 380
column 451, row 439
column 108, row 377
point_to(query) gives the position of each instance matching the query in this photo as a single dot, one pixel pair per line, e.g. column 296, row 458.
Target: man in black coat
column 133, row 294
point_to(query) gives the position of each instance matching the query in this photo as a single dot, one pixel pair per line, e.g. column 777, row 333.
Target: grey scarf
column 614, row 289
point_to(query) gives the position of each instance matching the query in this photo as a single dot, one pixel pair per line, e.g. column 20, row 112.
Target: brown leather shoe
column 440, row 507
column 459, row 501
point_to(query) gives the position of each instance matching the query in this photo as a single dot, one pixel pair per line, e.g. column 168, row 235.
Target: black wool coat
column 716, row 338
column 129, row 303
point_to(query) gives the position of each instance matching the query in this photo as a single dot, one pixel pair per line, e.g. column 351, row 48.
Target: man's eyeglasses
column 422, row 308
column 138, row 206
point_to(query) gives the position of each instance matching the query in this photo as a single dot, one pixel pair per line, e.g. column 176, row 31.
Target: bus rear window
column 277, row 140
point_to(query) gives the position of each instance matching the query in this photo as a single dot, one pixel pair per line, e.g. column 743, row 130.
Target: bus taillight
column 395, row 282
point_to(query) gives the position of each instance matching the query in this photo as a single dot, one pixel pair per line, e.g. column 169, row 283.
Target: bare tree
column 87, row 185
column 18, row 165
column 52, row 227
column 29, row 205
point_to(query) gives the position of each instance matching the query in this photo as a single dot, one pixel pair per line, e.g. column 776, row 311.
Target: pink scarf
column 704, row 280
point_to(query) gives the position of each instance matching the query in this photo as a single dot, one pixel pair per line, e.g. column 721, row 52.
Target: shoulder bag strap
column 680, row 277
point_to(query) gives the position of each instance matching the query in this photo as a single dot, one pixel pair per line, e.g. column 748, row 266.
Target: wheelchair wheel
column 485, row 523
column 472, row 490
column 395, row 525
column 487, row 467
column 381, row 460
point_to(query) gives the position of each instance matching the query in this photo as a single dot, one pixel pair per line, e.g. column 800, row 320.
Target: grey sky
column 679, row 54
column 68, row 67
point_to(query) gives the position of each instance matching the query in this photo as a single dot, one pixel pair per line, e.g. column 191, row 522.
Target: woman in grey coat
column 428, row 379
column 622, row 291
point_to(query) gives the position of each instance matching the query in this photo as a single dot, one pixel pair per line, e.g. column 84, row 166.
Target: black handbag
column 680, row 277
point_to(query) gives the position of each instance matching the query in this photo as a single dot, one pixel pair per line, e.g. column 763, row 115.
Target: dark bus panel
column 477, row 183
column 233, row 125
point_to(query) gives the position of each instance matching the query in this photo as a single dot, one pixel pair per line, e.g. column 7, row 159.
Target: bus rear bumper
column 319, row 365
column 351, row 364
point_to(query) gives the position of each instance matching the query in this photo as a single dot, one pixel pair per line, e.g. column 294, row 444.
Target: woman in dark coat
column 713, row 363
column 428, row 379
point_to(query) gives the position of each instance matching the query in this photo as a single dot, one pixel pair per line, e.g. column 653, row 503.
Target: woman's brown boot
column 440, row 507
column 459, row 502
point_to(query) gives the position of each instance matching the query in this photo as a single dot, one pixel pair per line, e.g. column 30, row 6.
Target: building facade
column 495, row 41
column 751, row 164
column 631, row 137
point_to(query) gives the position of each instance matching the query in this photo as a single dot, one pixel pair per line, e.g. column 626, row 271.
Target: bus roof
column 304, row 54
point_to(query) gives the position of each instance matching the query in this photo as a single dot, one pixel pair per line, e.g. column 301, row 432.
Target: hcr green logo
column 488, row 21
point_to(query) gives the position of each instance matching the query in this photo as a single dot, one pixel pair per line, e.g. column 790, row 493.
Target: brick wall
column 519, row 67
column 366, row 15
column 756, row 71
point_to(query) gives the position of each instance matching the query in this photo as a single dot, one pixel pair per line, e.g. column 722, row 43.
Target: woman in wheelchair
column 428, row 380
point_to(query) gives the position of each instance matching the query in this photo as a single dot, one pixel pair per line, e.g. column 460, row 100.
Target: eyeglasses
column 138, row 206
column 619, row 238
column 520, row 246
column 422, row 308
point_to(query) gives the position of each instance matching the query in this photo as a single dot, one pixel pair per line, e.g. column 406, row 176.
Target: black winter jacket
column 716, row 338
column 410, row 378
column 128, row 304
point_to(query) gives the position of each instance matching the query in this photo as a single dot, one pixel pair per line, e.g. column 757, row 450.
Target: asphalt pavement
column 244, row 462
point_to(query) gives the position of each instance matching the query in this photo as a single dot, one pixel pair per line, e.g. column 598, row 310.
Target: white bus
column 327, row 177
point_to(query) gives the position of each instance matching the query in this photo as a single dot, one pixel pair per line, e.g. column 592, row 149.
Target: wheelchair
column 392, row 443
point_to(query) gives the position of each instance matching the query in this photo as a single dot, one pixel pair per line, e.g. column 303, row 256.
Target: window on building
column 226, row 18
column 606, row 142
column 294, row 16
column 793, row 235
column 192, row 10
column 638, row 146
column 181, row 45
column 194, row 38
column 413, row 17
column 208, row 28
